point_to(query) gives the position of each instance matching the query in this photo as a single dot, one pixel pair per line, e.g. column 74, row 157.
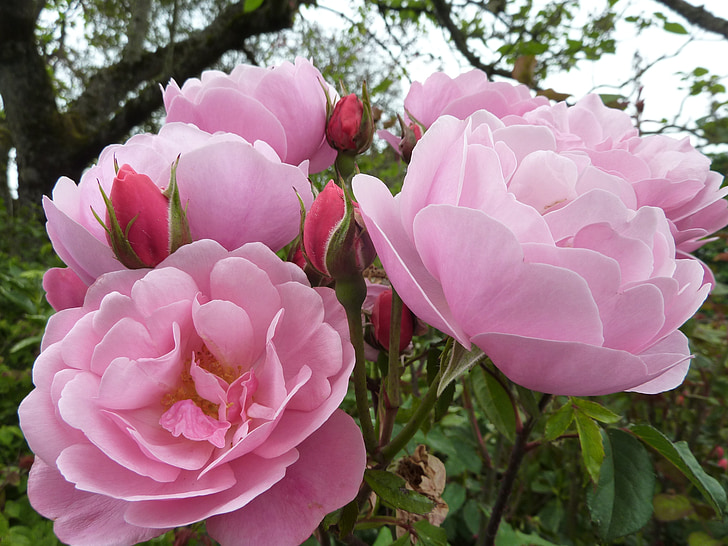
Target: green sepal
column 460, row 362
column 179, row 228
column 340, row 255
column 119, row 238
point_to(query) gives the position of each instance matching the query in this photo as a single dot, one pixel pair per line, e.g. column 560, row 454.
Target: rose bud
column 723, row 463
column 411, row 133
column 381, row 319
column 350, row 127
column 334, row 240
column 143, row 223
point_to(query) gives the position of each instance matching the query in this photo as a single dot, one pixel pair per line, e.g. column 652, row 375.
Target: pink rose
column 284, row 106
column 234, row 193
column 500, row 241
column 223, row 408
column 661, row 171
column 442, row 95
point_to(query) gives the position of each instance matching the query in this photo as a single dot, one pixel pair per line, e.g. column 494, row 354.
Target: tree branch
column 442, row 13
column 108, row 88
column 698, row 16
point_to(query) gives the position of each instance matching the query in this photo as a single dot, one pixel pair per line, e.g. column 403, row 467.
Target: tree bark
column 51, row 143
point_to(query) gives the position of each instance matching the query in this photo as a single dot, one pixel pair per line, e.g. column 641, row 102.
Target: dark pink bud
column 382, row 318
column 335, row 242
column 723, row 463
column 142, row 213
column 350, row 127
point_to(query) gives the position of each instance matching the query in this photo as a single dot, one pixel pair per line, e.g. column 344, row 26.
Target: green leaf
column 559, row 422
column 675, row 28
column 622, row 501
column 349, row 514
column 595, row 411
column 251, row 5
column 384, row 538
column 429, row 535
column 679, row 454
column 528, row 401
column 699, row 538
column 495, row 402
column 672, row 507
column 592, row 448
column 507, row 536
column 444, row 401
column 404, row 540
column 391, row 489
column 461, row 360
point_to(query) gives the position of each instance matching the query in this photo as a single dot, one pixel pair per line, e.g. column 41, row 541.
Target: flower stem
column 405, row 435
column 351, row 293
column 392, row 399
column 517, row 453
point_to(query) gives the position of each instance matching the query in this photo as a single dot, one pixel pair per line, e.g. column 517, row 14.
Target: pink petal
column 91, row 471
column 326, row 477
column 185, row 418
column 86, row 519
column 497, row 291
column 413, row 282
column 253, row 476
column 64, row 288
column 563, row 367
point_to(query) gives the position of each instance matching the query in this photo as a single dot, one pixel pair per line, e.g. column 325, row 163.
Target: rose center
column 188, row 389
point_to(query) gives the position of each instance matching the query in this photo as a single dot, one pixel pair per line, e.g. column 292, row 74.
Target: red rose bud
column 143, row 224
column 350, row 127
column 381, row 320
column 334, row 239
column 142, row 214
column 411, row 133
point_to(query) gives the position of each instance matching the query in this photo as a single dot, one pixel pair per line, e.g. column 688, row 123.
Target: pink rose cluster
column 191, row 374
column 552, row 237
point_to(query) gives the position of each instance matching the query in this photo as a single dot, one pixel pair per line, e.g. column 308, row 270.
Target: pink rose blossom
column 234, row 193
column 661, row 171
column 285, row 106
column 206, row 388
column 441, row 95
column 540, row 258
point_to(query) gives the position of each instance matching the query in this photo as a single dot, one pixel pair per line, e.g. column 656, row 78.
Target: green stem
column 351, row 293
column 410, row 429
column 391, row 399
column 509, row 478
